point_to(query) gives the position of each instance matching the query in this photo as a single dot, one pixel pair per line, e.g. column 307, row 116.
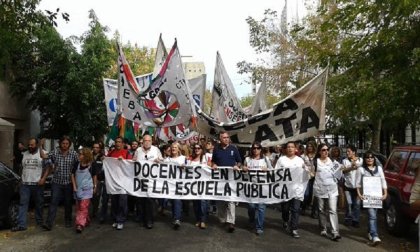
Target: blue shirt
column 226, row 157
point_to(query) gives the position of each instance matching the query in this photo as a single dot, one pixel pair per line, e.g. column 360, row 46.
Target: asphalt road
column 162, row 237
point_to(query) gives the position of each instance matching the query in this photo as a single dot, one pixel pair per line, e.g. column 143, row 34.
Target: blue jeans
column 372, row 227
column 58, row 192
column 119, row 207
column 26, row 192
column 290, row 211
column 176, row 209
column 200, row 210
column 256, row 212
column 352, row 206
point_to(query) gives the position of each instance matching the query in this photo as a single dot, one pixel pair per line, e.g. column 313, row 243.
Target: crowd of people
column 78, row 175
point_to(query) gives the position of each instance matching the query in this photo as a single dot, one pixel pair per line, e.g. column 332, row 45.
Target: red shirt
column 123, row 153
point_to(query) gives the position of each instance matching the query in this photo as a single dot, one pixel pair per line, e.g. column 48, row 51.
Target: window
column 413, row 164
column 397, row 161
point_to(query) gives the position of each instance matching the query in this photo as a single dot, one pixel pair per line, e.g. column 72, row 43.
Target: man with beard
column 63, row 159
column 32, row 184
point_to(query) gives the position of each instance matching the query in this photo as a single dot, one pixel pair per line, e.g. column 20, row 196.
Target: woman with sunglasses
column 371, row 169
column 257, row 162
column 198, row 157
column 327, row 172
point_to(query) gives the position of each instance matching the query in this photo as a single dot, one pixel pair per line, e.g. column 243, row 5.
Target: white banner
column 299, row 116
column 167, row 180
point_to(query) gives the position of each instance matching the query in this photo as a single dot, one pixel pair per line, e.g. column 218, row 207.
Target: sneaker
column 336, row 237
column 231, row 228
column 203, row 225
column 369, row 237
column 18, row 228
column 120, row 226
column 114, row 225
column 324, row 233
column 79, row 229
column 376, row 240
column 177, row 224
column 259, row 232
column 295, row 234
column 47, row 227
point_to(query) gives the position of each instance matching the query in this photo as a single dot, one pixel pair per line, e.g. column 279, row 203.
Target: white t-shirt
column 350, row 177
column 301, row 179
column 326, row 177
column 32, row 167
column 258, row 164
column 153, row 154
column 180, row 160
column 203, row 161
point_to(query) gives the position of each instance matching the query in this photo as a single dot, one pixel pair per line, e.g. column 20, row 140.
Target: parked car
column 400, row 176
column 9, row 191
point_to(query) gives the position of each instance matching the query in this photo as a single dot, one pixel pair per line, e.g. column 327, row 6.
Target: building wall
column 14, row 111
column 193, row 69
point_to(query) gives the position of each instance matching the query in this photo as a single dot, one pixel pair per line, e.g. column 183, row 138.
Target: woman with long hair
column 327, row 172
column 84, row 185
column 198, row 157
column 257, row 161
column 371, row 169
column 177, row 158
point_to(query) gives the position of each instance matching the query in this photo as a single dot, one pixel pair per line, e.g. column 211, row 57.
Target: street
column 162, row 237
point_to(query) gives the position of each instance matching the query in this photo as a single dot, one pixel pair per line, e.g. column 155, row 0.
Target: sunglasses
column 324, row 149
column 197, row 148
column 369, row 157
column 256, row 148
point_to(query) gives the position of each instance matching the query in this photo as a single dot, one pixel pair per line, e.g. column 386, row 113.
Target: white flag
column 225, row 104
column 169, row 101
column 111, row 97
column 259, row 103
column 198, row 87
column 160, row 58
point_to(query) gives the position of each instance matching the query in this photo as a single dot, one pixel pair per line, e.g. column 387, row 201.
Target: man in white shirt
column 150, row 153
column 33, row 180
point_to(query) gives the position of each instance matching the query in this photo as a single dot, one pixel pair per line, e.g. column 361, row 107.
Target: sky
column 201, row 27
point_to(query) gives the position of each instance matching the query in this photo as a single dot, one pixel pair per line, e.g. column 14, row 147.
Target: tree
column 373, row 50
column 19, row 22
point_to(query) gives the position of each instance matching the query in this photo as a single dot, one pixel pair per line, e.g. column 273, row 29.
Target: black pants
column 146, row 208
column 290, row 211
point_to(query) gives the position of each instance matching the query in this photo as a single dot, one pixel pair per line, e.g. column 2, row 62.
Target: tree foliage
column 372, row 48
column 64, row 84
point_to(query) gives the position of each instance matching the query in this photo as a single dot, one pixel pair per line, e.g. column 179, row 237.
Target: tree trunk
column 376, row 135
